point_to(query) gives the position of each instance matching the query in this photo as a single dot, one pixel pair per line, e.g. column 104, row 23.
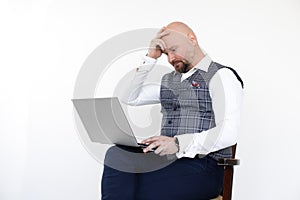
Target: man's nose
column 171, row 57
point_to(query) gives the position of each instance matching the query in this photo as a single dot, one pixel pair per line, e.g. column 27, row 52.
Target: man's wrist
column 152, row 55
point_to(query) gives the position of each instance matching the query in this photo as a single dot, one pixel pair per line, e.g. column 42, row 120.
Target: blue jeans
column 167, row 179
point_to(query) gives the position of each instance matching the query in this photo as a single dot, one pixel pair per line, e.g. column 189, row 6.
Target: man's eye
column 173, row 50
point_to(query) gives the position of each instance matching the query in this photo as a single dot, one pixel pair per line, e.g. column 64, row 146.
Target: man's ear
column 192, row 38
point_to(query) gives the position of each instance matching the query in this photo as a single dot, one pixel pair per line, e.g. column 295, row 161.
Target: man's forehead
column 173, row 38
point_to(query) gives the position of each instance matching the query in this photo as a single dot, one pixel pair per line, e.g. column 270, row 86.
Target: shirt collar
column 202, row 65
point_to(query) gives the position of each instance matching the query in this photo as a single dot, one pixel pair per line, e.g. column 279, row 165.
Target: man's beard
column 184, row 68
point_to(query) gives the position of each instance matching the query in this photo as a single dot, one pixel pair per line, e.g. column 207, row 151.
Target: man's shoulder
column 169, row 74
column 218, row 65
column 232, row 71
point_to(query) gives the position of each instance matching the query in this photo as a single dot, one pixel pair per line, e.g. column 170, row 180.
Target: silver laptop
column 105, row 121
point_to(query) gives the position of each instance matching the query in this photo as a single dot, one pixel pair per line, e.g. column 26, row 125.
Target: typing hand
column 164, row 145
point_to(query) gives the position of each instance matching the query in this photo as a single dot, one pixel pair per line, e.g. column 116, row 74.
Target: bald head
column 181, row 28
column 181, row 46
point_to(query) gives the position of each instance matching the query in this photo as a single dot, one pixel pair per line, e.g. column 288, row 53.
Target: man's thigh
column 184, row 179
column 122, row 166
column 133, row 160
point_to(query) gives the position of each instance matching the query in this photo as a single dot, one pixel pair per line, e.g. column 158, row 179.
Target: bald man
column 201, row 102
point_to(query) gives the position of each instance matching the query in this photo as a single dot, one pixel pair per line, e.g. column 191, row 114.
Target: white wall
column 44, row 44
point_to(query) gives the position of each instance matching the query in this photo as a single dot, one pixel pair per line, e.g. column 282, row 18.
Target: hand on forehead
column 172, row 38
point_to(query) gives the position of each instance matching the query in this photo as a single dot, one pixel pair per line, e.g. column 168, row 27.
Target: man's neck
column 199, row 55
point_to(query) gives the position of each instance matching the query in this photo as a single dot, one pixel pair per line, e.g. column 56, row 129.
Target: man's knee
column 117, row 185
column 122, row 159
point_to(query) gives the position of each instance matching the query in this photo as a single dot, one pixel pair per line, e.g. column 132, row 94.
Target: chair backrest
column 228, row 174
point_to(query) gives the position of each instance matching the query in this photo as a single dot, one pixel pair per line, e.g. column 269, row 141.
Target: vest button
column 174, row 109
column 169, row 122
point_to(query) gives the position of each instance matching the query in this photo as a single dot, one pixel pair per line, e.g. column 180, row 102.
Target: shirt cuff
column 147, row 63
column 185, row 141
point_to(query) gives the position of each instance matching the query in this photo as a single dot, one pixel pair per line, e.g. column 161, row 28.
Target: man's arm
column 227, row 94
column 139, row 94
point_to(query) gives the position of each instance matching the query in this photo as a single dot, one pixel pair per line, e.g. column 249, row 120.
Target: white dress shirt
column 226, row 94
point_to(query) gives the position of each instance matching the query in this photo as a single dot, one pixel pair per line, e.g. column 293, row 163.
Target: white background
column 44, row 43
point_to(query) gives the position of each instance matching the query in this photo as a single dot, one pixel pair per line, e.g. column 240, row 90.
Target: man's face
column 180, row 51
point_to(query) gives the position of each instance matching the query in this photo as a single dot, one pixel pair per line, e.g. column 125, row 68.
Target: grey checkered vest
column 187, row 106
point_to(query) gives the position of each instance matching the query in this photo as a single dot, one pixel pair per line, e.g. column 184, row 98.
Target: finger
column 150, row 140
column 163, row 34
column 150, row 147
column 159, row 43
column 159, row 150
column 144, row 141
column 163, row 45
column 163, row 153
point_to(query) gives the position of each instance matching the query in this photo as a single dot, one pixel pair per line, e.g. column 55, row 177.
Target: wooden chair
column 228, row 164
